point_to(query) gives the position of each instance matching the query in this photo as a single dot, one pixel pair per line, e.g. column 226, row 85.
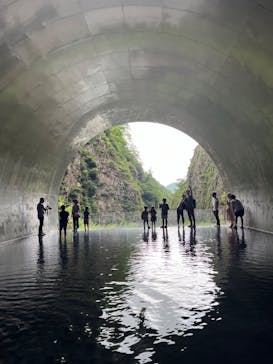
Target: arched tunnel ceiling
column 72, row 68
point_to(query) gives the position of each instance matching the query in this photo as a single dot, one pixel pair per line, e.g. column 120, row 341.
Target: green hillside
column 107, row 176
column 203, row 177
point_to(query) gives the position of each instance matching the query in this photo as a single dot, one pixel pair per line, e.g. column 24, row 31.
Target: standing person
column 153, row 217
column 164, row 213
column 190, row 206
column 180, row 210
column 86, row 219
column 41, row 213
column 63, row 215
column 229, row 211
column 75, row 215
column 238, row 210
column 215, row 207
column 145, row 217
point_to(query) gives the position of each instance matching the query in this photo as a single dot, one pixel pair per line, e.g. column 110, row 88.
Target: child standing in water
column 86, row 219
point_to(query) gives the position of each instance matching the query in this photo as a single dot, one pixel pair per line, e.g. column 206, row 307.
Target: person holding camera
column 41, row 213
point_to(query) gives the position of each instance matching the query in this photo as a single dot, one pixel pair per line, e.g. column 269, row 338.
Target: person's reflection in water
column 165, row 238
column 76, row 247
column 146, row 236
column 40, row 261
column 63, row 252
column 241, row 241
column 181, row 237
column 192, row 241
column 86, row 240
column 142, row 327
column 154, row 236
column 218, row 240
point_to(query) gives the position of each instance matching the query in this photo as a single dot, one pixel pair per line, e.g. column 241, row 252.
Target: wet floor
column 118, row 296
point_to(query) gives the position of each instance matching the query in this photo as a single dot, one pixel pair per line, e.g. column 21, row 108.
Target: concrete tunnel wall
column 69, row 69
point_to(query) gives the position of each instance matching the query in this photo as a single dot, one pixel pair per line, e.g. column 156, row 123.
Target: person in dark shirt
column 63, row 215
column 190, row 206
column 86, row 219
column 164, row 213
column 153, row 217
column 145, row 217
column 180, row 210
column 41, row 213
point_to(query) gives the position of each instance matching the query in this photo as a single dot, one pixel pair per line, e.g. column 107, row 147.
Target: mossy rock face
column 108, row 177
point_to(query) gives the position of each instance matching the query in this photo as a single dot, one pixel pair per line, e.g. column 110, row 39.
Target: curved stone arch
column 72, row 68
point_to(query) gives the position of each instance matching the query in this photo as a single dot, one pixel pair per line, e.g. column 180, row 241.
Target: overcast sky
column 163, row 150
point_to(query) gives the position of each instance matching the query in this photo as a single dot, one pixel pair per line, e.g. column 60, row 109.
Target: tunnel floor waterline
column 116, row 296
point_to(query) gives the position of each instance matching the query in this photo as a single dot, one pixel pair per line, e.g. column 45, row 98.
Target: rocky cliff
column 107, row 176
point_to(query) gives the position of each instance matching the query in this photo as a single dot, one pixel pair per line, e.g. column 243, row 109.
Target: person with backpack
column 238, row 210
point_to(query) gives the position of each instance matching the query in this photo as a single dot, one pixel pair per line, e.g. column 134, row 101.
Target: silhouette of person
column 63, row 215
column 75, row 215
column 190, row 206
column 229, row 211
column 238, row 210
column 86, row 219
column 145, row 217
column 215, row 207
column 164, row 213
column 153, row 217
column 41, row 213
column 180, row 210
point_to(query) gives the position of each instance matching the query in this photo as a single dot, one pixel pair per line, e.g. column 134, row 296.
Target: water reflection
column 166, row 293
column 158, row 301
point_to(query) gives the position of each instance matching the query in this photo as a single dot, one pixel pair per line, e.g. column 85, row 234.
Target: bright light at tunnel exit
column 163, row 150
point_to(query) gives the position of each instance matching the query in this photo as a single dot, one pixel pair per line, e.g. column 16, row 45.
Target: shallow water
column 120, row 297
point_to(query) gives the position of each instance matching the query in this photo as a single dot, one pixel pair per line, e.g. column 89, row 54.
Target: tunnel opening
column 201, row 67
column 108, row 176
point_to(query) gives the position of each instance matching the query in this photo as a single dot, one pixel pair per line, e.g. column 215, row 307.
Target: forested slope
column 107, row 176
column 203, row 177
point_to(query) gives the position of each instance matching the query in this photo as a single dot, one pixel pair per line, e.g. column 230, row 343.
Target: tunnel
column 70, row 69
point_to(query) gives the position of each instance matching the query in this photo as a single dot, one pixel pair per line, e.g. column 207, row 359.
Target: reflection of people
column 164, row 213
column 180, row 210
column 215, row 207
column 41, row 213
column 86, row 219
column 75, row 215
column 63, row 220
column 192, row 237
column 181, row 237
column 190, row 205
column 145, row 217
column 146, row 236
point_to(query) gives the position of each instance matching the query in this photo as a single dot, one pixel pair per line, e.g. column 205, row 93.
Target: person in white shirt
column 215, row 207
